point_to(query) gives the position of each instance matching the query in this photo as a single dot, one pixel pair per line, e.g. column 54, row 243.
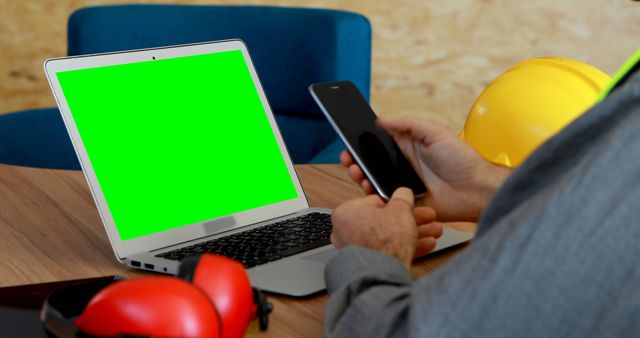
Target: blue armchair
column 291, row 48
column 36, row 138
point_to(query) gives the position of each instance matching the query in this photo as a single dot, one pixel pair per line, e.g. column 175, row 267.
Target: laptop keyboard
column 265, row 244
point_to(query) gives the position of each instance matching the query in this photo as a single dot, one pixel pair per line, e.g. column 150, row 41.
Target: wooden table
column 50, row 230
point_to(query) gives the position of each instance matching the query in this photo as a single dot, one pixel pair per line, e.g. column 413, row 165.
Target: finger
column 424, row 215
column 402, row 199
column 430, row 230
column 425, row 131
column 356, row 174
column 424, row 246
column 367, row 187
column 346, row 159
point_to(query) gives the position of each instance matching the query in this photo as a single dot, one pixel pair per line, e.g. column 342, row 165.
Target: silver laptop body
column 123, row 150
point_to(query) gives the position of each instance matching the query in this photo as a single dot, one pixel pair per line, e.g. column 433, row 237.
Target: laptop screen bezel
column 124, row 248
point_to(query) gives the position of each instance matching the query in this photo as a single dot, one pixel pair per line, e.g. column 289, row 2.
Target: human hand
column 459, row 180
column 396, row 228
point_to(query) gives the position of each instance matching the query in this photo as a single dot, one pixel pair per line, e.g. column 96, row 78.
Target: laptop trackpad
column 293, row 276
column 322, row 256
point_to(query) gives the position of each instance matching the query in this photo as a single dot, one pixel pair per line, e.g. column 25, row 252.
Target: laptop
column 183, row 156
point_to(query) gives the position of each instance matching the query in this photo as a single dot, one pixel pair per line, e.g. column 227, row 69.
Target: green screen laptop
column 183, row 156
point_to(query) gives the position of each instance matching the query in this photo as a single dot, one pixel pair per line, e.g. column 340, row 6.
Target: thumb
column 402, row 198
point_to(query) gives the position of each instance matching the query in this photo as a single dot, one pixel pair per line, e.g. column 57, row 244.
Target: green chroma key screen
column 177, row 141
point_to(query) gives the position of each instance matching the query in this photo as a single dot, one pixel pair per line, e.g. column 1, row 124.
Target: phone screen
column 373, row 148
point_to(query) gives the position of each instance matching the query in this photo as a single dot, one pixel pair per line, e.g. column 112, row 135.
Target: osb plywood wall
column 431, row 57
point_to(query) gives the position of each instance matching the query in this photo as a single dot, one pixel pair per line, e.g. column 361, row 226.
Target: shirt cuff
column 356, row 264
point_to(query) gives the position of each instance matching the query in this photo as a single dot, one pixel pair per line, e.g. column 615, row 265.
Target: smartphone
column 372, row 148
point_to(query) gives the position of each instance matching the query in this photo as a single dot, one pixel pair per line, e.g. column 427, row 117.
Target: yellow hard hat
column 529, row 103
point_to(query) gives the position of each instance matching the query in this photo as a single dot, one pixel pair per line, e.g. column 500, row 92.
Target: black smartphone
column 373, row 148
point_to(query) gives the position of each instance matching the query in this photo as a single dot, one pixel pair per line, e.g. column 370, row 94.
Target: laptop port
column 148, row 266
column 135, row 263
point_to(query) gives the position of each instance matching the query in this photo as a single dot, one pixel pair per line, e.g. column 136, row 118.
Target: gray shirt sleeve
column 557, row 253
column 377, row 287
column 510, row 283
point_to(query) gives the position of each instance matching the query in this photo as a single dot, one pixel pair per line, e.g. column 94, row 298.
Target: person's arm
column 364, row 283
column 369, row 295
column 536, row 279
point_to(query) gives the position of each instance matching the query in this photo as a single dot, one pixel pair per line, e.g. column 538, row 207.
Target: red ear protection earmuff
column 232, row 296
column 152, row 306
column 211, row 298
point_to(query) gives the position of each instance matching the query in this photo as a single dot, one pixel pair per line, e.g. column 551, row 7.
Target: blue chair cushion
column 36, row 138
column 291, row 47
column 305, row 138
column 330, row 154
